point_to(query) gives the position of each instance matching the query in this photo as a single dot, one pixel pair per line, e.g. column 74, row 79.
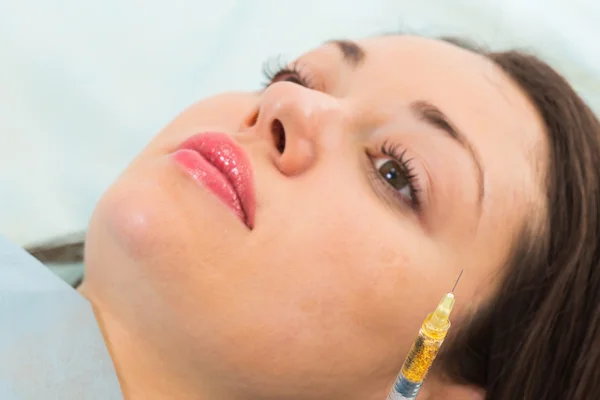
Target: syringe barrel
column 415, row 368
column 423, row 351
column 404, row 389
column 421, row 357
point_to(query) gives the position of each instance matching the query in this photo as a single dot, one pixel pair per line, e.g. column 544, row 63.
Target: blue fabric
column 50, row 344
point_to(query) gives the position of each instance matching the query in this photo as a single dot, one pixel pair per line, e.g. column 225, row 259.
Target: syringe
column 424, row 350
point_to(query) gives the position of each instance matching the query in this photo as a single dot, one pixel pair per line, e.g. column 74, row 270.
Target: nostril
column 278, row 133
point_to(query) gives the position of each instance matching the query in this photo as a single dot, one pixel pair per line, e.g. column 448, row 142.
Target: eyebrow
column 431, row 114
column 352, row 53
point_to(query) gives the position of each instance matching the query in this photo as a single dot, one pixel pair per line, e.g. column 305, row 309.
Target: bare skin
column 323, row 298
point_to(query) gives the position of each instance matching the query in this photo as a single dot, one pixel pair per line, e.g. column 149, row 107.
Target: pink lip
column 216, row 162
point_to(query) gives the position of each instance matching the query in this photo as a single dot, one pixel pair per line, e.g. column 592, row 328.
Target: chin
column 156, row 218
column 138, row 218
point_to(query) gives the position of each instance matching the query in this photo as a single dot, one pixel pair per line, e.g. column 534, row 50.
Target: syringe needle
column 461, row 272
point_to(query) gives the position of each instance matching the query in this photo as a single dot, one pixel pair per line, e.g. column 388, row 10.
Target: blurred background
column 84, row 85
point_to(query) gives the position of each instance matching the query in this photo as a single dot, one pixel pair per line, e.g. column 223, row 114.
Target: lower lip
column 210, row 177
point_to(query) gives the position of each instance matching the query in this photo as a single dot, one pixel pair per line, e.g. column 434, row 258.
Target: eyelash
column 275, row 70
column 394, row 152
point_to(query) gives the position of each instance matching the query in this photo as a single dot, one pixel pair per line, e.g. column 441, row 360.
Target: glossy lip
column 215, row 161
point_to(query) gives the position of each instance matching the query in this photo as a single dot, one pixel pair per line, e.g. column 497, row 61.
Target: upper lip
column 231, row 160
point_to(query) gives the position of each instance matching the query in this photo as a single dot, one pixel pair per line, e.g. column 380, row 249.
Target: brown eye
column 395, row 175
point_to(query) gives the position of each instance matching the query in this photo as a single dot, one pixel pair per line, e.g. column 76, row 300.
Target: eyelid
column 418, row 167
column 275, row 70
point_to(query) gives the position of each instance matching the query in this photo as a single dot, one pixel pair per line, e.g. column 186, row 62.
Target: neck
column 144, row 371
column 147, row 371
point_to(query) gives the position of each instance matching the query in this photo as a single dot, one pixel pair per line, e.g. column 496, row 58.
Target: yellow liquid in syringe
column 427, row 345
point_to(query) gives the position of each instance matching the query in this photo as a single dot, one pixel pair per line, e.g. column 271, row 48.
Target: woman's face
column 376, row 174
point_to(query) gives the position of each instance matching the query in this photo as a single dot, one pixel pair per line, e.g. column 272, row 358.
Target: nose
column 299, row 122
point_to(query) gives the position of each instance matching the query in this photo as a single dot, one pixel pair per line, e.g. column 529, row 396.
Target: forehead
column 396, row 69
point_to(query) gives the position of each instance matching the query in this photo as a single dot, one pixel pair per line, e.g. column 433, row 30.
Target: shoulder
column 50, row 342
column 20, row 271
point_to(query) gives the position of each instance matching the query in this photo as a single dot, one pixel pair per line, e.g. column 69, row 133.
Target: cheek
column 382, row 272
column 342, row 277
column 356, row 258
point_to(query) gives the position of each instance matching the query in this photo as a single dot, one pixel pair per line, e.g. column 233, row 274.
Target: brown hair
column 538, row 338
